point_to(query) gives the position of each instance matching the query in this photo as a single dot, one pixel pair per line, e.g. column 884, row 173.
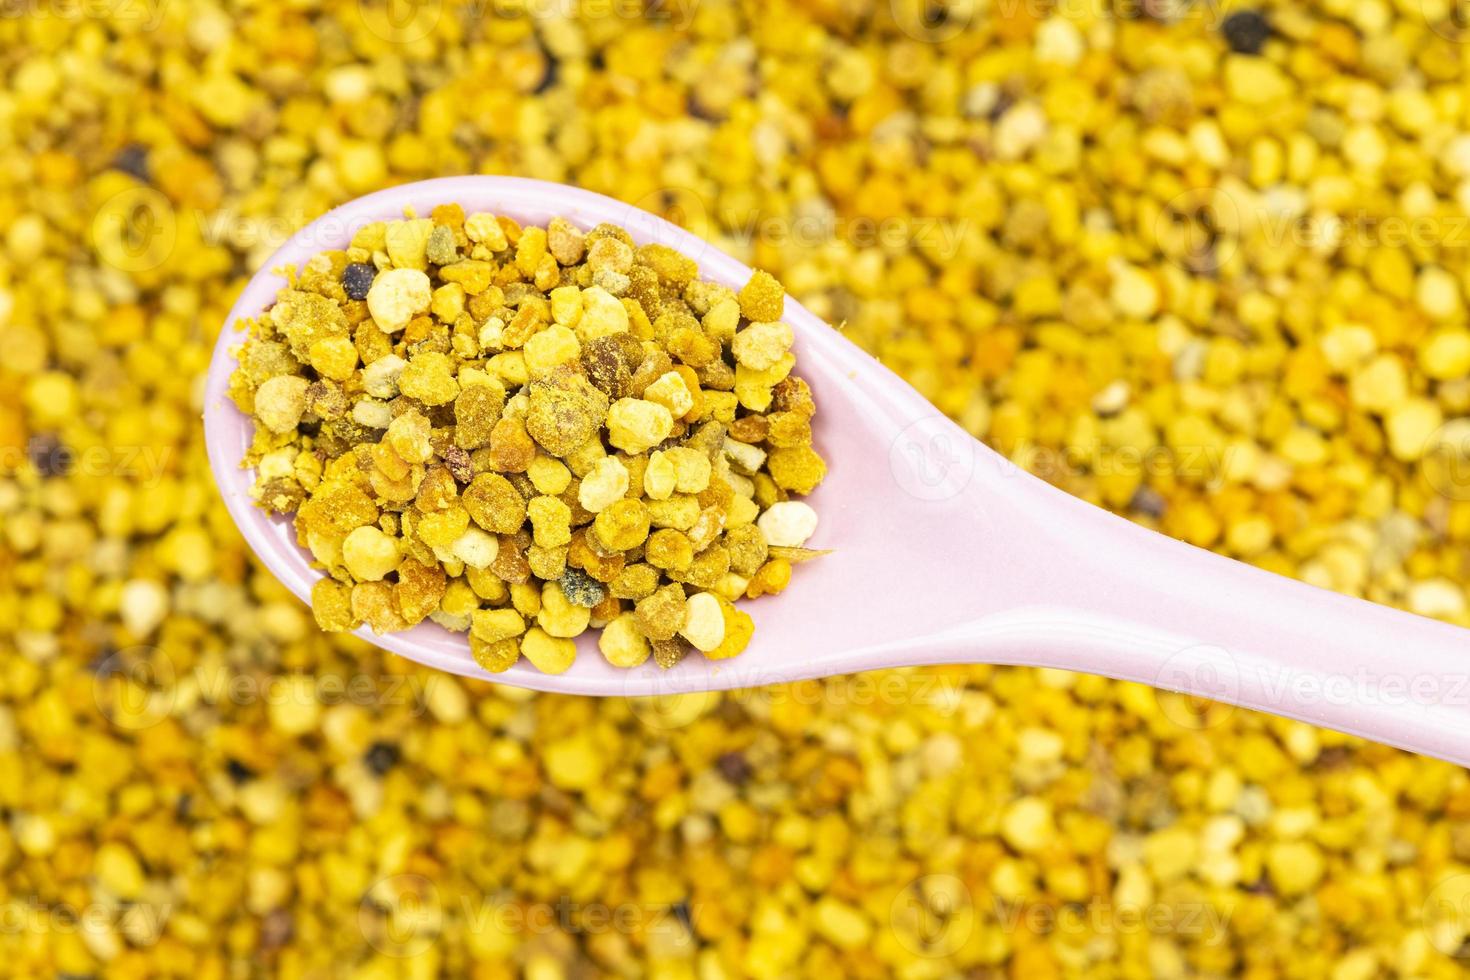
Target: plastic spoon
column 945, row 552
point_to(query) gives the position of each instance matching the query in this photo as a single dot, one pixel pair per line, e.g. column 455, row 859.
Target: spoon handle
column 1131, row 603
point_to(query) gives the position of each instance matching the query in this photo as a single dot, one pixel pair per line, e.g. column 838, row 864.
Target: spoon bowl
column 943, row 550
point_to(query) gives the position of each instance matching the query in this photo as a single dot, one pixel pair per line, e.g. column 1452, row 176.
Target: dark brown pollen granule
column 357, row 279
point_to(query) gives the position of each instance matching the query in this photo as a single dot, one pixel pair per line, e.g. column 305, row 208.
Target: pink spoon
column 945, row 552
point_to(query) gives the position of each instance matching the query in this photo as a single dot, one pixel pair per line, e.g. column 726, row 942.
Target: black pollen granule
column 357, row 279
column 734, row 767
column 1246, row 31
column 682, row 912
column 49, row 455
column 1147, row 500
column 553, row 70
column 381, row 756
column 133, row 159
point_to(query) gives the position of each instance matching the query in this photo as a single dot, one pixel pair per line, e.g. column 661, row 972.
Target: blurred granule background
column 1202, row 264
